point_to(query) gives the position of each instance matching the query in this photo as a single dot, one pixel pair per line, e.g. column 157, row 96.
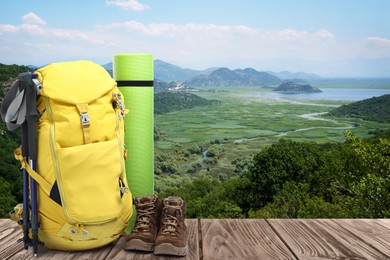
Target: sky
column 340, row 38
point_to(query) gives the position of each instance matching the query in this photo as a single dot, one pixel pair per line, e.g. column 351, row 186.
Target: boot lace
column 170, row 223
column 144, row 214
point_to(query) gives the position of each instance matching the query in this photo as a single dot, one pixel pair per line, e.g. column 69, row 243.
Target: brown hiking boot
column 145, row 230
column 172, row 237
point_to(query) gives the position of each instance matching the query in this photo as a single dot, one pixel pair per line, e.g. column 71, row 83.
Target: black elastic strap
column 55, row 194
column 135, row 83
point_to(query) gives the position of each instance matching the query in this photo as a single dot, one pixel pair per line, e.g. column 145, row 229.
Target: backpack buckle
column 85, row 120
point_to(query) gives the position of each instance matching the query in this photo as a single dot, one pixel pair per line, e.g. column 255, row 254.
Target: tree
column 371, row 193
column 7, row 200
column 205, row 199
column 279, row 163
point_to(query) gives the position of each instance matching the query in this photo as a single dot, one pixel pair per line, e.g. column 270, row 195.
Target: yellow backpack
column 83, row 196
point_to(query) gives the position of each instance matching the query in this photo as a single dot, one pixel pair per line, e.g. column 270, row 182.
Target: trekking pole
column 31, row 118
column 19, row 109
column 26, row 213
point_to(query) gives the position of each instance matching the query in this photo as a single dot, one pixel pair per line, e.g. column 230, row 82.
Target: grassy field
column 244, row 123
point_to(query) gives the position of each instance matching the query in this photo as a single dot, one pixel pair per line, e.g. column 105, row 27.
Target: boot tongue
column 172, row 204
column 174, row 201
column 145, row 199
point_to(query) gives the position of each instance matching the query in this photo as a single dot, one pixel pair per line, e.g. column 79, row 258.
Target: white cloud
column 32, row 18
column 379, row 41
column 128, row 4
column 372, row 47
column 32, row 29
column 8, row 28
column 324, row 35
column 291, row 34
column 207, row 43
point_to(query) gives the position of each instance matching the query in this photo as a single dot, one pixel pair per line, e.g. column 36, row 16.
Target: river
column 314, row 116
column 311, row 116
column 201, row 160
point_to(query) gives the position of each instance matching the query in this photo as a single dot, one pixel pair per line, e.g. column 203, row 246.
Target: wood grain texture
column 374, row 232
column 9, row 236
column 241, row 239
column 324, row 239
column 45, row 253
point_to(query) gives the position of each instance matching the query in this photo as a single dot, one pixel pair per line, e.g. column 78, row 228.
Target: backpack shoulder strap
column 46, row 187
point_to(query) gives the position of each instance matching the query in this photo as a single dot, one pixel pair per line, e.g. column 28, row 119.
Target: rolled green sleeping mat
column 134, row 76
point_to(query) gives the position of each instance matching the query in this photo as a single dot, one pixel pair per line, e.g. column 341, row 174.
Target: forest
column 291, row 179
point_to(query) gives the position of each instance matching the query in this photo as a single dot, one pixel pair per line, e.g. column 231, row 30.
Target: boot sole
column 169, row 249
column 139, row 245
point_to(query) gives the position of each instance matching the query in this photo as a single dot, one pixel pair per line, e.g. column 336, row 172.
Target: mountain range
column 238, row 77
column 218, row 76
column 167, row 72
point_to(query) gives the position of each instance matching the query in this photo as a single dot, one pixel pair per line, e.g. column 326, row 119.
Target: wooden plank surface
column 9, row 235
column 329, row 239
column 375, row 232
column 45, row 253
column 211, row 239
column 241, row 239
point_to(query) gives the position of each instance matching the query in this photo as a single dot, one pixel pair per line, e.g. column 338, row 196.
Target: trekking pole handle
column 37, row 84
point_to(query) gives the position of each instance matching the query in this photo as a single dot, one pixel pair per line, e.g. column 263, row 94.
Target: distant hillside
column 161, row 86
column 238, row 77
column 295, row 75
column 8, row 75
column 167, row 72
column 11, row 71
column 165, row 102
column 293, row 87
column 374, row 109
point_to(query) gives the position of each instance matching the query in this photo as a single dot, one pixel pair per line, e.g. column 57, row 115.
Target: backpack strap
column 38, row 178
column 13, row 108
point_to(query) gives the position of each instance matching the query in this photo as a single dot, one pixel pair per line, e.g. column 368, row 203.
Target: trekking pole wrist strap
column 46, row 187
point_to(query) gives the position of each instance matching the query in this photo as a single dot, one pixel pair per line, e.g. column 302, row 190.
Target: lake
column 331, row 94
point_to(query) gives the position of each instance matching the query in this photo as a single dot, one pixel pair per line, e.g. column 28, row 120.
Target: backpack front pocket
column 89, row 181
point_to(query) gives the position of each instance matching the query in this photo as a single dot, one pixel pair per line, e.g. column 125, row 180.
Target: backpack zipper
column 120, row 112
column 55, row 159
column 119, row 117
